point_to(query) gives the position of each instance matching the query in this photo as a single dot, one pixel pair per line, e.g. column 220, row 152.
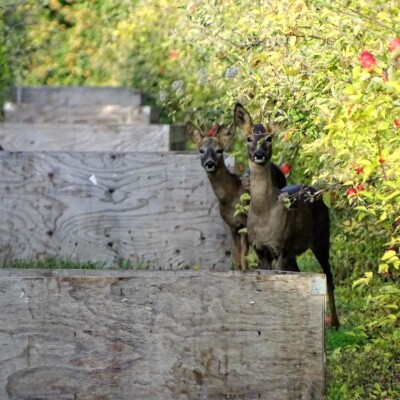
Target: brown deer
column 227, row 186
column 283, row 224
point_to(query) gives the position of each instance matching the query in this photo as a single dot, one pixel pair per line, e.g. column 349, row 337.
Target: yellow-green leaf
column 388, row 254
column 383, row 268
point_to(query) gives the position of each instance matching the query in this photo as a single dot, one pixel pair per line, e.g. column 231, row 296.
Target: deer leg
column 264, row 258
column 236, row 251
column 244, row 249
column 286, row 263
column 322, row 255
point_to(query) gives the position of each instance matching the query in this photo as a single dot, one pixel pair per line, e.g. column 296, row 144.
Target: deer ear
column 193, row 132
column 226, row 135
column 242, row 118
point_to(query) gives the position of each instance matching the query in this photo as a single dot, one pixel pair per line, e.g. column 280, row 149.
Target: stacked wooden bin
column 89, row 176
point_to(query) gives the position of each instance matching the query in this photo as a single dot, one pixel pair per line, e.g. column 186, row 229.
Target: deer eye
column 249, row 139
column 219, row 151
column 269, row 139
column 202, row 151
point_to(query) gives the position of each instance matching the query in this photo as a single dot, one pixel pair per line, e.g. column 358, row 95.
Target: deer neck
column 226, row 186
column 263, row 192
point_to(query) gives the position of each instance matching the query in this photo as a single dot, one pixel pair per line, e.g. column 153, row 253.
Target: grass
column 55, row 264
column 69, row 264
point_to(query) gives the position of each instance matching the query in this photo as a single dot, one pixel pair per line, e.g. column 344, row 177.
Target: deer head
column 211, row 144
column 259, row 139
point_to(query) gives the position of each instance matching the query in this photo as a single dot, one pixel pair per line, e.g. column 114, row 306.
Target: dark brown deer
column 283, row 224
column 227, row 186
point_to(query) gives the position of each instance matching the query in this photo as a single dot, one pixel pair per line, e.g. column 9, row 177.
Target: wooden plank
column 172, row 335
column 76, row 95
column 78, row 137
column 154, row 210
column 79, row 114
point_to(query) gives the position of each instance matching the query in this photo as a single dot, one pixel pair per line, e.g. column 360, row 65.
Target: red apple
column 174, row 54
column 286, row 168
column 397, row 122
column 394, row 44
column 213, row 130
column 351, row 192
column 368, row 61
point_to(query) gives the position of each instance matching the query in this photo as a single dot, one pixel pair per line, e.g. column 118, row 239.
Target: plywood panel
column 88, row 137
column 75, row 95
column 147, row 210
column 79, row 114
column 170, row 335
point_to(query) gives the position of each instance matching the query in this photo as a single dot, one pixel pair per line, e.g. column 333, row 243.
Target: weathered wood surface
column 153, row 210
column 79, row 114
column 79, row 137
column 75, row 95
column 161, row 336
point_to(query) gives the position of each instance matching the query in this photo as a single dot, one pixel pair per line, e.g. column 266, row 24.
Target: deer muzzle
column 209, row 166
column 259, row 157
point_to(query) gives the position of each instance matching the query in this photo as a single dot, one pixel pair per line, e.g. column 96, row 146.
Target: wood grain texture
column 78, row 114
column 154, row 210
column 75, row 95
column 172, row 336
column 84, row 137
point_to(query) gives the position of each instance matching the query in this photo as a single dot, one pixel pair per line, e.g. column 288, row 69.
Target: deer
column 283, row 223
column 227, row 186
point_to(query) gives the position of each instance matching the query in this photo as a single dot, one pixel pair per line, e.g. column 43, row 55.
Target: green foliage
column 243, row 206
column 364, row 361
column 5, row 73
column 57, row 263
column 54, row 264
column 252, row 260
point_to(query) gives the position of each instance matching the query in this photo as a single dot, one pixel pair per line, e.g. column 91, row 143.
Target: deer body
column 228, row 189
column 227, row 186
column 281, row 230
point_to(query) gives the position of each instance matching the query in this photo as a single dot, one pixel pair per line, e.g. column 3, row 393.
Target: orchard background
column 326, row 74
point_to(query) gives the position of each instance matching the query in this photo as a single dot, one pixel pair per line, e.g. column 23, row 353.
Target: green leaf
column 327, row 199
column 245, row 197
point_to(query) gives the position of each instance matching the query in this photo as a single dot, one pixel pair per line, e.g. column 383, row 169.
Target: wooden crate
column 123, row 335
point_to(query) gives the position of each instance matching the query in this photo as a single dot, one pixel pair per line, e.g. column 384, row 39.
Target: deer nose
column 259, row 156
column 209, row 165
